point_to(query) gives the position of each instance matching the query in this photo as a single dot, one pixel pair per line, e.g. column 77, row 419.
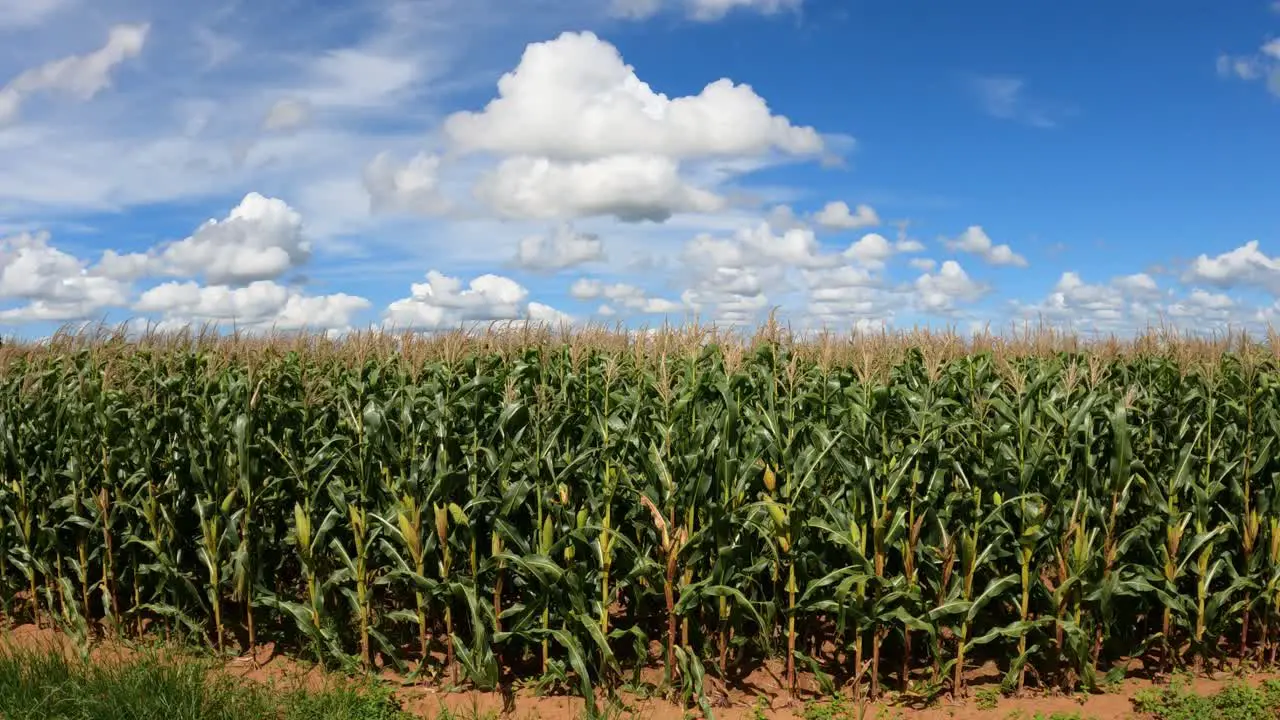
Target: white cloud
column 873, row 249
column 1202, row 308
column 837, row 215
column 758, row 245
column 354, row 78
column 80, row 76
column 923, row 264
column 974, row 240
column 261, row 305
column 699, row 10
column 412, row 188
column 287, row 114
column 1246, row 266
column 1262, row 65
column 730, row 296
column 1124, row 304
column 57, row 285
column 1006, row 98
column 629, row 187
column 707, row 10
column 547, row 315
column 261, row 239
column 940, row 292
column 1138, row 285
column 562, row 248
column 28, row 13
column 634, row 9
column 628, row 296
column 443, row 302
column 574, row 98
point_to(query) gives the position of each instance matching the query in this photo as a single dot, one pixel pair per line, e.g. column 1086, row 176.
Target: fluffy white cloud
column 574, row 98
column 81, row 76
column 261, row 239
column 729, row 296
column 628, row 296
column 1202, row 308
column 923, row 264
column 57, row 285
column 443, row 302
column 975, row 240
column 873, row 249
column 412, row 188
column 1123, row 304
column 758, row 245
column 1246, row 266
column 547, row 315
column 287, row 114
column 260, row 305
column 940, row 292
column 1138, row 285
column 562, row 248
column 837, row 215
column 628, row 187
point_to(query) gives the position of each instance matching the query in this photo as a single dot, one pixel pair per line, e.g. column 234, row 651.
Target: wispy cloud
column 1262, row 65
column 1006, row 98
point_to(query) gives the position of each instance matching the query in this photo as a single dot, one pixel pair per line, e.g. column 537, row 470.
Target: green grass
column 1238, row 701
column 47, row 685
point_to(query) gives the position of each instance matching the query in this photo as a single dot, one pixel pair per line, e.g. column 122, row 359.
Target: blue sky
column 420, row 164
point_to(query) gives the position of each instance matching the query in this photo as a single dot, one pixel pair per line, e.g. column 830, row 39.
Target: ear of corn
column 902, row 508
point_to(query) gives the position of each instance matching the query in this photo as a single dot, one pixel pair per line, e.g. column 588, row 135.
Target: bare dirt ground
column 757, row 696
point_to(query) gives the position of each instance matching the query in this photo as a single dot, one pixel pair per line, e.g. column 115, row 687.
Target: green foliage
column 987, row 698
column 1238, row 701
column 837, row 708
column 46, row 685
column 869, row 510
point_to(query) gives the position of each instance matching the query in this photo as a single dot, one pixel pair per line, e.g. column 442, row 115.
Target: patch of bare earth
column 739, row 702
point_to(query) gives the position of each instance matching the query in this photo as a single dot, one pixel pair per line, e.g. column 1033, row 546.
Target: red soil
column 737, row 703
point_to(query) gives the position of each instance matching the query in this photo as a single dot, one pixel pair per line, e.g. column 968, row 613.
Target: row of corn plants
column 875, row 513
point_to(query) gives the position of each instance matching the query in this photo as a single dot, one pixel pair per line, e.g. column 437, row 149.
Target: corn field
column 882, row 513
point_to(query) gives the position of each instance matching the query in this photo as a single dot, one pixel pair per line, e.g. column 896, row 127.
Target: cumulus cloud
column 411, row 188
column 80, row 76
column 629, row 187
column 940, row 292
column 1202, row 308
column 58, row 286
column 758, row 245
column 443, row 302
column 1245, row 266
column 974, row 240
column 260, row 305
column 1122, row 304
column 574, row 98
column 546, row 315
column 562, row 248
column 838, row 216
column 873, row 249
column 260, row 239
column 628, row 296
